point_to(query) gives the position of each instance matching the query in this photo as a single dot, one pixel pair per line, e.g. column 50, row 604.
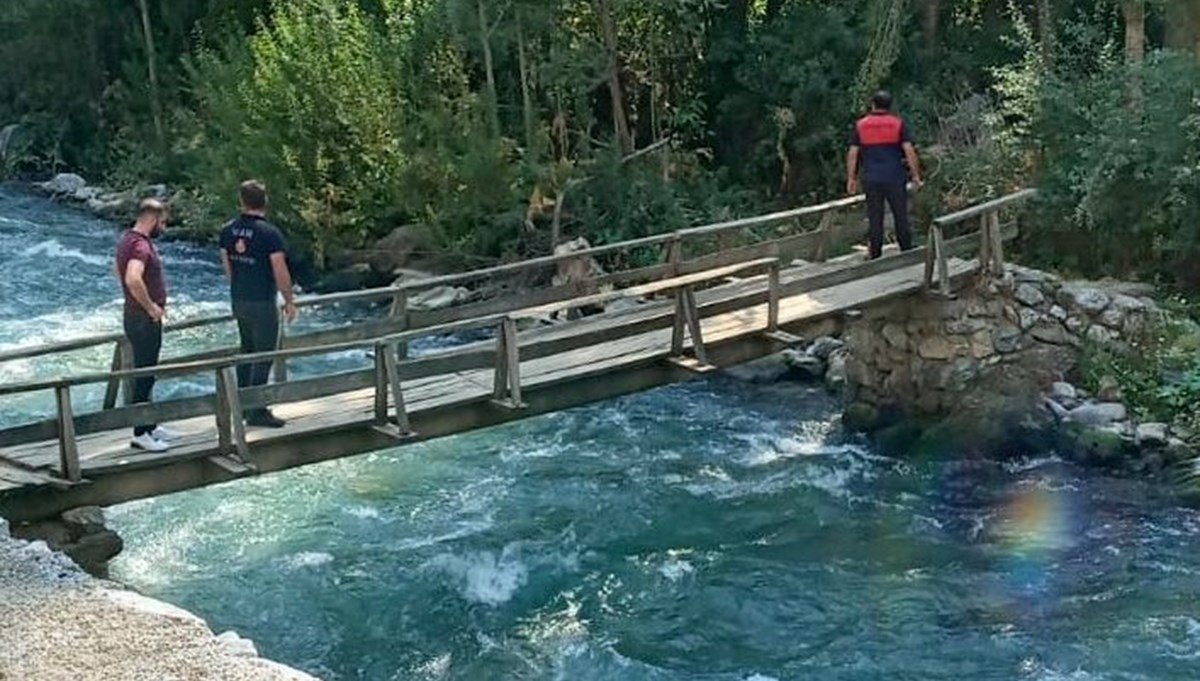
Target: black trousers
column 145, row 335
column 896, row 196
column 258, row 326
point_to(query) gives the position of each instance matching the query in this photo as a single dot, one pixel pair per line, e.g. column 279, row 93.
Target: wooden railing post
column 231, row 427
column 112, row 390
column 381, row 385
column 985, row 244
column 930, row 258
column 825, row 245
column 674, row 253
column 126, row 350
column 391, row 364
column 399, row 313
column 943, row 263
column 773, row 295
column 68, row 447
column 997, row 243
column 687, row 315
column 280, row 365
column 507, row 381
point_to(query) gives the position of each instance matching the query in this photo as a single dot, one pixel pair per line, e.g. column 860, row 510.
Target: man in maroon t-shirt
column 140, row 271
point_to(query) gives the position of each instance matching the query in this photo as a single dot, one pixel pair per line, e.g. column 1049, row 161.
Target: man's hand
column 289, row 311
column 917, row 183
column 156, row 313
column 851, row 187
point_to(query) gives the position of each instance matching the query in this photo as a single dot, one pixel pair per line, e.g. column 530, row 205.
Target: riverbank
column 58, row 623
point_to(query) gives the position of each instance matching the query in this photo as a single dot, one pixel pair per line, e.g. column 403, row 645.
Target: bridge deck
column 108, row 454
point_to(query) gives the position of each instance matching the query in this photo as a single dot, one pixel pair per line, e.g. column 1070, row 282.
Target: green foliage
column 1159, row 378
column 1120, row 179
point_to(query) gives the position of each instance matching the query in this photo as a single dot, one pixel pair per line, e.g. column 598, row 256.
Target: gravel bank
column 58, row 623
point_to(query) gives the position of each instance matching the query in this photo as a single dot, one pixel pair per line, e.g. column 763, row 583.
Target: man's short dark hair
column 882, row 100
column 151, row 207
column 253, row 195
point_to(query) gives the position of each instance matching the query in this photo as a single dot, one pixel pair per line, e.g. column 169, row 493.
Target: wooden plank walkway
column 109, row 452
column 714, row 310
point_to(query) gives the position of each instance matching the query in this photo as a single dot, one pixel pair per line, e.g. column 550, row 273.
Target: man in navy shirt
column 879, row 148
column 254, row 255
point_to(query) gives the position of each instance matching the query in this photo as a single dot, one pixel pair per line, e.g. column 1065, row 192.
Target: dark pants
column 258, row 326
column 896, row 196
column 145, row 335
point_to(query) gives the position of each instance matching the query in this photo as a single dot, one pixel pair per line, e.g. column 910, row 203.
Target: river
column 712, row 530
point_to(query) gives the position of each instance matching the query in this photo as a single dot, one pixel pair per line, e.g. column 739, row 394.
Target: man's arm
column 852, row 170
column 225, row 264
column 914, row 164
column 283, row 282
column 137, row 288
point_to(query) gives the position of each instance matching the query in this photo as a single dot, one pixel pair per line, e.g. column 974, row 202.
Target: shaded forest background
column 501, row 126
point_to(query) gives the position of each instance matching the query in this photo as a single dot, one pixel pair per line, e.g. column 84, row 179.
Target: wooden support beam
column 996, row 249
column 381, row 385
column 126, row 350
column 943, row 264
column 825, row 244
column 510, row 347
column 985, row 244
column 230, row 403
column 773, row 294
column 930, row 259
column 68, row 447
column 391, row 365
column 112, row 390
column 673, row 255
column 677, row 326
column 692, row 315
column 279, row 366
column 399, row 312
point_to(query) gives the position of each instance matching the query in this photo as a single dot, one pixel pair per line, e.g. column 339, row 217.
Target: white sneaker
column 149, row 443
column 165, row 434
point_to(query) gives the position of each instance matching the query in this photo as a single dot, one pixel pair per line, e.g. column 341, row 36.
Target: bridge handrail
column 991, row 247
column 174, row 370
column 392, row 291
column 985, row 208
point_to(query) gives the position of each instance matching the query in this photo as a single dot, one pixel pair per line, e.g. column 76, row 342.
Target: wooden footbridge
column 711, row 296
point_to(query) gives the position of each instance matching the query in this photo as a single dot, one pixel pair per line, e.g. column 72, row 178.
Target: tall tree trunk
column 620, row 122
column 1134, row 12
column 526, row 91
column 152, row 67
column 1046, row 38
column 931, row 15
column 485, row 39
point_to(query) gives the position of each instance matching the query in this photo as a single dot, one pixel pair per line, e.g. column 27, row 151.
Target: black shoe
column 264, row 419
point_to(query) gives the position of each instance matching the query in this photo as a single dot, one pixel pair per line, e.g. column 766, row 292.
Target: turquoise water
column 712, row 531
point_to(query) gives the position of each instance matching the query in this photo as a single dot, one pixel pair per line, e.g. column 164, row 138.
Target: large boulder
column 394, row 251
column 63, row 184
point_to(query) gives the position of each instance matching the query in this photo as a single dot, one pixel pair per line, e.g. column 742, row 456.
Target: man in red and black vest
column 879, row 148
